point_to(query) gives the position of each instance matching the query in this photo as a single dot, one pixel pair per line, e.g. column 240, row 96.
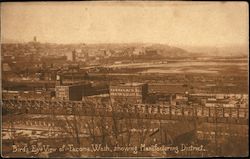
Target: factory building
column 129, row 92
column 77, row 89
column 70, row 92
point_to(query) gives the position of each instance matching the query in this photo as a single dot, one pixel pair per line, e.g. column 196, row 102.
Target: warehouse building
column 129, row 92
column 70, row 92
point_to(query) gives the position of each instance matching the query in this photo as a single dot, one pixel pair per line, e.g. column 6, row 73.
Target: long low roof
column 129, row 84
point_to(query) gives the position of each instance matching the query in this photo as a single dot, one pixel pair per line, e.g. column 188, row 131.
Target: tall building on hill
column 34, row 39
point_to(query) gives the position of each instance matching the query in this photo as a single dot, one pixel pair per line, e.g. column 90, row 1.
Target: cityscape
column 122, row 99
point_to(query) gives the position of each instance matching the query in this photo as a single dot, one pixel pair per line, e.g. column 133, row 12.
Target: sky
column 173, row 23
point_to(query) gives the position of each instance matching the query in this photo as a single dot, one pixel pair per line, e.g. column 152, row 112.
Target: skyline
column 173, row 23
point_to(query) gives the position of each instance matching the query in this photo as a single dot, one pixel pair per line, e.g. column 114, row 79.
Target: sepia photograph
column 134, row 79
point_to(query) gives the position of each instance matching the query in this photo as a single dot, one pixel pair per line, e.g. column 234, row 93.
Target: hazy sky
column 181, row 23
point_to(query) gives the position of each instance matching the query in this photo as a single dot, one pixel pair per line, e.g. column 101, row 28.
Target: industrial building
column 75, row 90
column 70, row 92
column 129, row 92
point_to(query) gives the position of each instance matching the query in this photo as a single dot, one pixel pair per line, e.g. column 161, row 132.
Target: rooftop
column 133, row 84
column 129, row 84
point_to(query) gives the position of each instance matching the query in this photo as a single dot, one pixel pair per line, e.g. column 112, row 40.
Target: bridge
column 199, row 113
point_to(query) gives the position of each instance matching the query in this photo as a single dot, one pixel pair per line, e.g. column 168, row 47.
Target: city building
column 176, row 94
column 73, row 90
column 129, row 92
column 70, row 92
column 71, row 74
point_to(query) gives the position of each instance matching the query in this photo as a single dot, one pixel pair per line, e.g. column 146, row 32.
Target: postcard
column 165, row 79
